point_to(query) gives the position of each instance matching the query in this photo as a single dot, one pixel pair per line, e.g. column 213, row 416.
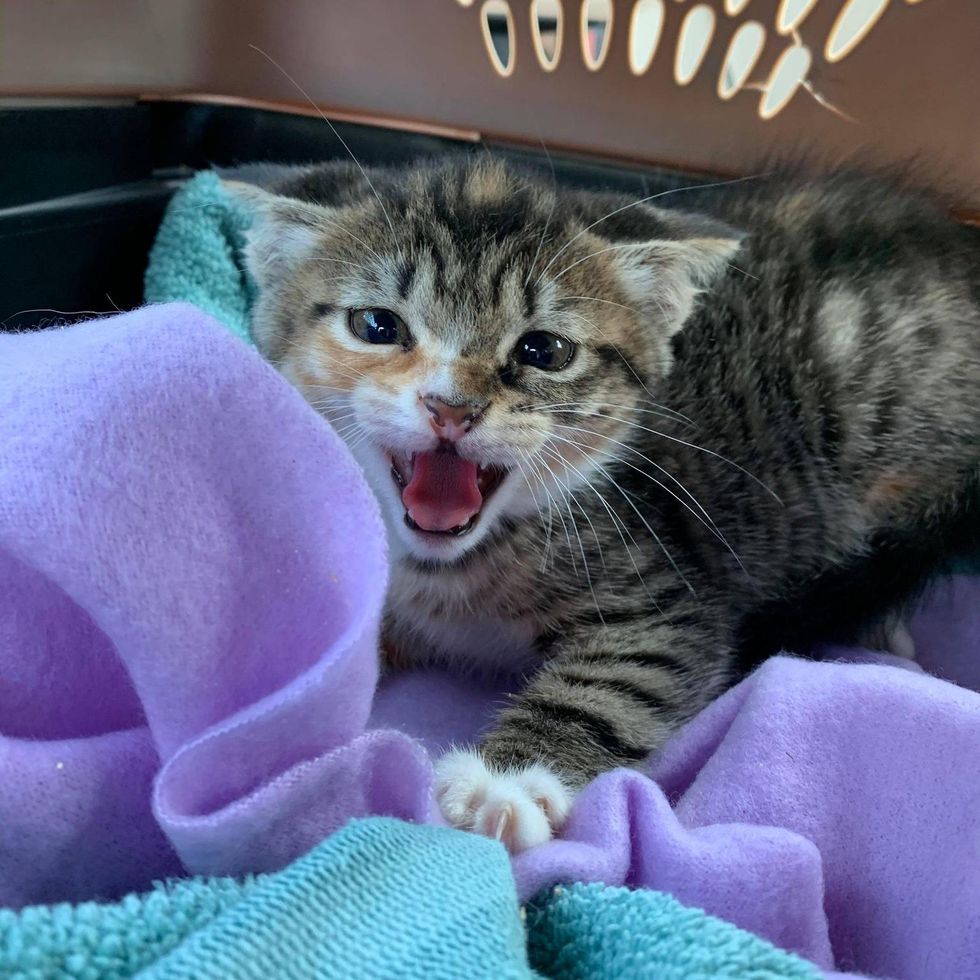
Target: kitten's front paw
column 520, row 807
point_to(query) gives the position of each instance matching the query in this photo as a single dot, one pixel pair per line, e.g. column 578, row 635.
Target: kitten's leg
column 608, row 698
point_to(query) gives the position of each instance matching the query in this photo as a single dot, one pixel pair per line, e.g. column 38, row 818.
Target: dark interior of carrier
column 83, row 195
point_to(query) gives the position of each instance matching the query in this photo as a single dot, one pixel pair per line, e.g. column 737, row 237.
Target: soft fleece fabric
column 383, row 898
column 191, row 579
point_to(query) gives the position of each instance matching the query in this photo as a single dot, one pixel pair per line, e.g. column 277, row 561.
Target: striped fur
column 759, row 443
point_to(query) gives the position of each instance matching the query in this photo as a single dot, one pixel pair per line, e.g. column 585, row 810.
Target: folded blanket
column 383, row 898
column 191, row 579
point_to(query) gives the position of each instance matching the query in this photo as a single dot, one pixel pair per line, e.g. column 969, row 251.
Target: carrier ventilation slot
column 785, row 44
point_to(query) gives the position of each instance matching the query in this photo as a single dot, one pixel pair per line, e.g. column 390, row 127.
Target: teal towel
column 383, row 898
column 196, row 257
column 380, row 898
column 584, row 932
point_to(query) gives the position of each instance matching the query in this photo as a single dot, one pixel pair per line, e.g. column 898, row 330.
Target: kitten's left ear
column 284, row 232
column 667, row 274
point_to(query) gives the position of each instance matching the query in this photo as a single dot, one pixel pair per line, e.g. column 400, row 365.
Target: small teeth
column 401, row 469
column 455, row 532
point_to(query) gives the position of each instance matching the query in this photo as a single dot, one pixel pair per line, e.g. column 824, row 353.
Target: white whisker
column 320, row 260
column 569, row 408
column 608, row 302
column 690, row 445
column 656, row 537
column 548, row 529
column 618, row 523
column 732, row 265
column 551, row 213
column 571, row 516
column 644, row 200
column 317, row 213
column 646, row 459
column 623, row 358
column 343, row 143
column 706, row 520
column 585, row 258
column 663, row 411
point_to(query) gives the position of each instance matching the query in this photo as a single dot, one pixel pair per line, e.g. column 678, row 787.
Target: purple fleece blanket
column 191, row 577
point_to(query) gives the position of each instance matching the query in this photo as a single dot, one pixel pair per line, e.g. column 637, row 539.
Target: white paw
column 519, row 807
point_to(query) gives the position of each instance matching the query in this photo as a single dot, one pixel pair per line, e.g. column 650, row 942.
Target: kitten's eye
column 379, row 327
column 545, row 351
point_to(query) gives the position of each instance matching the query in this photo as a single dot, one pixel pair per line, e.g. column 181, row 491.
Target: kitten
column 626, row 450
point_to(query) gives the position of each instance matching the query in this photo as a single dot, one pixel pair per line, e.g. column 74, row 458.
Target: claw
column 520, row 807
column 502, row 820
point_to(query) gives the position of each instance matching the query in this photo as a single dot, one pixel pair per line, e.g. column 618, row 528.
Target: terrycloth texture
column 380, row 899
column 113, row 940
column 584, row 932
column 384, row 898
column 196, row 257
column 191, row 578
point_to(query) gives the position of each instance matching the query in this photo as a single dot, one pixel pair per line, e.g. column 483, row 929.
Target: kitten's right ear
column 284, row 232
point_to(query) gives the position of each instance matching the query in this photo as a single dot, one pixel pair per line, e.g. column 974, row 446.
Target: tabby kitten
column 628, row 451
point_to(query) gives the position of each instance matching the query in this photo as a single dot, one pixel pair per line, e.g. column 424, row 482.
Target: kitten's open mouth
column 443, row 493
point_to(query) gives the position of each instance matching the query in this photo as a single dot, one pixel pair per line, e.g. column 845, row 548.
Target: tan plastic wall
column 909, row 91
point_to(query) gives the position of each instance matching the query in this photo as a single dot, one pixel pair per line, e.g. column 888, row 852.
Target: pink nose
column 452, row 421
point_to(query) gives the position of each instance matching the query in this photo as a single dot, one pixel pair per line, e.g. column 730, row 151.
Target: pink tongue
column 443, row 492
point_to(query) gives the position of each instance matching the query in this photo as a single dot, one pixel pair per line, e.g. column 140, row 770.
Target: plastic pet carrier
column 197, row 570
column 108, row 105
